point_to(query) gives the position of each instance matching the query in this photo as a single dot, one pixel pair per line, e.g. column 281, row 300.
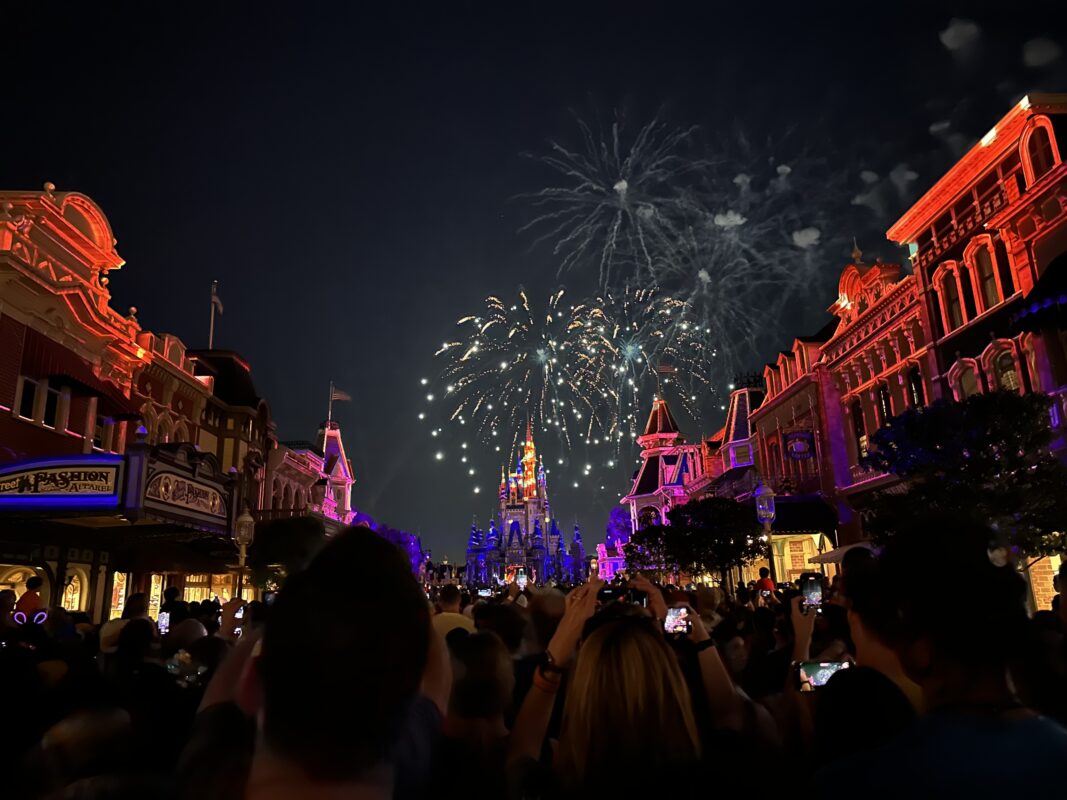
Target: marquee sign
column 177, row 492
column 800, row 445
column 75, row 481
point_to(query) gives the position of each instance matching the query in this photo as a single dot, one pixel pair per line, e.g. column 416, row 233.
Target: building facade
column 125, row 457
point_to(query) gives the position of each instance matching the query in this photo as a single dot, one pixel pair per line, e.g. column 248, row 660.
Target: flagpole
column 329, row 410
column 211, row 330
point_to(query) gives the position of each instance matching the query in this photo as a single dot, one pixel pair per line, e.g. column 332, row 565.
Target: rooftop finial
column 857, row 254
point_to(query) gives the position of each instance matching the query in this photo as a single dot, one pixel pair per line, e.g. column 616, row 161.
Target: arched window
column 162, row 432
column 967, row 383
column 1007, row 375
column 859, row 428
column 1039, row 149
column 885, row 404
column 986, row 275
column 916, row 394
column 72, row 594
column 287, row 497
column 950, row 300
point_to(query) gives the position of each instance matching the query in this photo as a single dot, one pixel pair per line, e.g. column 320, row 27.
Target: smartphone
column 678, row 621
column 637, row 597
column 610, row 593
column 811, row 589
column 485, row 592
column 764, row 592
column 811, row 675
column 240, row 613
column 163, row 623
column 268, row 597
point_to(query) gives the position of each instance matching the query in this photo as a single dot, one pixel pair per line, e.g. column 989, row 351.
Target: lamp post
column 244, row 531
column 765, row 514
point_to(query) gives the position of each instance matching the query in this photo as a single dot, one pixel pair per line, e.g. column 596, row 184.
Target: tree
column 619, row 529
column 715, row 534
column 985, row 458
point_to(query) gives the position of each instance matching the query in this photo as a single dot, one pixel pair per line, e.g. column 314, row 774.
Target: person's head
column 858, row 710
column 450, row 598
column 764, row 573
column 136, row 606
column 951, row 647
column 506, row 620
column 344, row 651
column 872, row 619
column 135, row 642
column 483, row 677
column 627, row 704
column 34, row 583
column 7, row 601
column 546, row 610
column 172, row 593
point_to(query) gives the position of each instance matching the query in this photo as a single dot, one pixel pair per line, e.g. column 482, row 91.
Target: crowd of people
column 918, row 672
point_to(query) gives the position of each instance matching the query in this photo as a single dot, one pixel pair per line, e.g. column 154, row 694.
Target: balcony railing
column 860, row 474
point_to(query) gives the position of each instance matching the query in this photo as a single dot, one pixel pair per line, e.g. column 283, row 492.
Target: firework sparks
column 622, row 201
column 582, row 371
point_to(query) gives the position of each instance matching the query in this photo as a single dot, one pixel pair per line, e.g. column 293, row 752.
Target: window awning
column 44, row 358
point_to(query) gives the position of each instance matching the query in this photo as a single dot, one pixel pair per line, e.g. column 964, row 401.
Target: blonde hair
column 627, row 707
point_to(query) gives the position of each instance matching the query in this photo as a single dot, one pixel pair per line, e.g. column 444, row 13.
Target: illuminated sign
column 800, row 445
column 75, row 481
column 173, row 490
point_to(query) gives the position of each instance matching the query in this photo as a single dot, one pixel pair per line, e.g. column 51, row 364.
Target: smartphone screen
column 637, row 597
column 608, row 594
column 485, row 592
column 813, row 674
column 240, row 613
column 163, row 623
column 765, row 593
column 811, row 588
column 678, row 621
column 268, row 597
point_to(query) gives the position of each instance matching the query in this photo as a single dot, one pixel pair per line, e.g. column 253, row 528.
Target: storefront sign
column 74, row 481
column 181, row 493
column 800, row 445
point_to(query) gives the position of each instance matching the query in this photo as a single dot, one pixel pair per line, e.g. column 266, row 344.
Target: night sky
column 349, row 176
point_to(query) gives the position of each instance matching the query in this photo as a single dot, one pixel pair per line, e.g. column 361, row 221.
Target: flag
column 216, row 302
column 337, row 394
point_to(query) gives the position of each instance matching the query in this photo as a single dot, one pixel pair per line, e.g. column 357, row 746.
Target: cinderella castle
column 523, row 535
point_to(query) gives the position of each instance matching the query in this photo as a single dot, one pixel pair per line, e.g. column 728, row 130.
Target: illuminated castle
column 523, row 534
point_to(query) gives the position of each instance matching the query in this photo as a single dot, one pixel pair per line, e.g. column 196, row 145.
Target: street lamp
column 765, row 514
column 244, row 531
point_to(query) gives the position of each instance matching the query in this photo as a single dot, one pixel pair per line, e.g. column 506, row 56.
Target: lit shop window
column 119, row 587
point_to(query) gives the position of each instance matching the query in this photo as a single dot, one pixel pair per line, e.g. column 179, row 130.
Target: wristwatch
column 548, row 665
column 707, row 644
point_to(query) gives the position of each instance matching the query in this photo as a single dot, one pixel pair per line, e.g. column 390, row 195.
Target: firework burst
column 582, row 370
column 621, row 201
